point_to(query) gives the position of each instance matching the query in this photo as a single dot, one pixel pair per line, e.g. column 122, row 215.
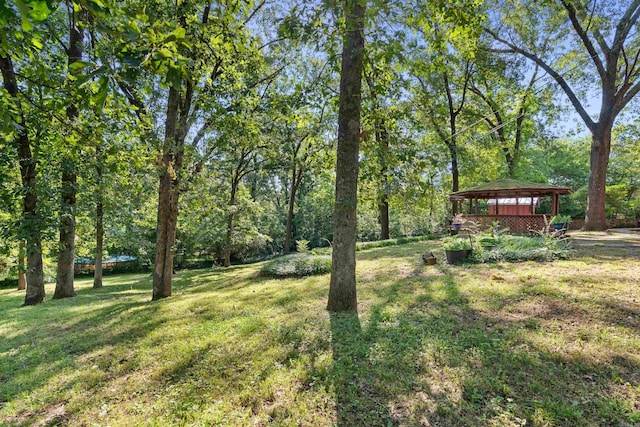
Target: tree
column 342, row 288
column 377, row 76
column 602, row 37
column 188, row 47
column 452, row 79
column 67, row 222
column 35, row 292
column 508, row 103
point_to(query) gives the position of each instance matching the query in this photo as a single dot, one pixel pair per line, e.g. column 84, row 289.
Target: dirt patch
column 608, row 240
column 52, row 415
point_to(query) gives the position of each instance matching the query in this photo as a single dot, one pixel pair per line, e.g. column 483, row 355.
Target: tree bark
column 382, row 141
column 97, row 276
column 296, row 179
column 382, row 135
column 595, row 218
column 342, row 288
column 22, row 279
column 292, row 198
column 230, row 217
column 167, row 201
column 455, row 173
column 67, row 226
column 30, row 220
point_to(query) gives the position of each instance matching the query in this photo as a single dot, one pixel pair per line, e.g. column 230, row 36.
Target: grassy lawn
column 497, row 345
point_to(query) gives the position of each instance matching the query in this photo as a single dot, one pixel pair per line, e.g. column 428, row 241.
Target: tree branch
column 629, row 96
column 627, row 22
column 556, row 76
column 571, row 10
column 596, row 32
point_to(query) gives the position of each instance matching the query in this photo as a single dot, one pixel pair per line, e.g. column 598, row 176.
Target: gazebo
column 510, row 202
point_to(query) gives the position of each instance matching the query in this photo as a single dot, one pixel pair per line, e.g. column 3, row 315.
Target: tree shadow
column 442, row 361
column 357, row 399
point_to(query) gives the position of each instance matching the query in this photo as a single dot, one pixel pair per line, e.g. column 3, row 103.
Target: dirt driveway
column 617, row 243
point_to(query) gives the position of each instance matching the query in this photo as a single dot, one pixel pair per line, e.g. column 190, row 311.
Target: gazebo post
column 476, row 207
column 531, row 211
column 554, row 204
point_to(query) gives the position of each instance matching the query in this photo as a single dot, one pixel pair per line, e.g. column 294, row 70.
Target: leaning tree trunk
column 342, row 288
column 30, row 221
column 67, row 227
column 595, row 218
column 97, row 277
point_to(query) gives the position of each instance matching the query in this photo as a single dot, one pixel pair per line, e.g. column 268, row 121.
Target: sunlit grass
column 504, row 344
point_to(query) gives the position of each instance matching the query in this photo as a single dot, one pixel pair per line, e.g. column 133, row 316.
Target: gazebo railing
column 524, row 224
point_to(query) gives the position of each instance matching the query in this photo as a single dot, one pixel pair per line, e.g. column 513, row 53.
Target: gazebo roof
column 509, row 187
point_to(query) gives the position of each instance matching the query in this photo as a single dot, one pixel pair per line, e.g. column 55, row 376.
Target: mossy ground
column 498, row 345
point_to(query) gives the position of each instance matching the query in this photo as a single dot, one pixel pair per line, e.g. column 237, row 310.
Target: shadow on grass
column 359, row 401
column 57, row 336
column 424, row 353
column 442, row 362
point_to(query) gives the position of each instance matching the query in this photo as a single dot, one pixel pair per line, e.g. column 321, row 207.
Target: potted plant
column 560, row 222
column 429, row 258
column 457, row 221
column 457, row 249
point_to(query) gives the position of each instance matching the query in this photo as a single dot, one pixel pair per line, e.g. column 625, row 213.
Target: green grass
column 549, row 344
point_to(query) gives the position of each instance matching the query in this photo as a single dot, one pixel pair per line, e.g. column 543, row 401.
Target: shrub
column 520, row 248
column 297, row 265
column 361, row 246
column 561, row 219
column 455, row 243
column 302, row 246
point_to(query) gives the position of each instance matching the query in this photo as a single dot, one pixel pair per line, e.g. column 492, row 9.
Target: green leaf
column 39, row 10
column 79, row 65
column 179, row 32
column 101, row 96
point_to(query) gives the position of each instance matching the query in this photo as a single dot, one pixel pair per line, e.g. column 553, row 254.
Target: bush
column 297, row 265
column 360, row 246
column 519, row 248
column 455, row 243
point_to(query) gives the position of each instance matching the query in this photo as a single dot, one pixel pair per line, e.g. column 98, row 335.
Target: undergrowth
column 519, row 248
column 297, row 265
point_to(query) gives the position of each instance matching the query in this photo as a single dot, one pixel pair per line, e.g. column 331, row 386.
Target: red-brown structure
column 510, row 202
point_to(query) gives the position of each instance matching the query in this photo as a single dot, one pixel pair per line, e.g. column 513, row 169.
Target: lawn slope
column 506, row 344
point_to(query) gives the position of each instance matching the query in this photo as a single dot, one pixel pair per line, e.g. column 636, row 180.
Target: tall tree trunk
column 383, row 212
column 22, row 279
column 167, row 197
column 292, row 198
column 296, row 179
column 382, row 136
column 97, row 276
column 67, row 227
column 342, row 289
column 230, row 217
column 595, row 218
column 382, row 141
column 455, row 173
column 30, row 221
